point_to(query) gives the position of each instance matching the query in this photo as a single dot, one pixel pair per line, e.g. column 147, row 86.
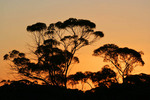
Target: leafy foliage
column 106, row 76
column 37, row 27
column 55, row 48
column 124, row 59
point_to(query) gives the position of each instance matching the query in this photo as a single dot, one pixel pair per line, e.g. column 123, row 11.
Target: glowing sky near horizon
column 125, row 23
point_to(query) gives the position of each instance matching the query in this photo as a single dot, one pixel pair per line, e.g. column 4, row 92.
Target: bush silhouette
column 104, row 77
column 123, row 59
column 55, row 48
column 54, row 51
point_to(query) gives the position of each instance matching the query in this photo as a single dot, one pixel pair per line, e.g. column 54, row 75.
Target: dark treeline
column 54, row 52
column 134, row 87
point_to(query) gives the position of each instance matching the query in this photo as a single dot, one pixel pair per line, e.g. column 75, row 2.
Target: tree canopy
column 105, row 76
column 53, row 52
column 123, row 59
column 55, row 48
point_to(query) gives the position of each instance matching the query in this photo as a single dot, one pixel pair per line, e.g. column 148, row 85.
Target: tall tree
column 56, row 46
column 123, row 59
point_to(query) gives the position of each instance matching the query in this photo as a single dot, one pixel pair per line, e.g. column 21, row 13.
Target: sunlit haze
column 125, row 23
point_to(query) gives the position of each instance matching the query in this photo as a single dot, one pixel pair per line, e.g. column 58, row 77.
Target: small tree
column 123, row 59
column 79, row 77
column 106, row 76
column 55, row 49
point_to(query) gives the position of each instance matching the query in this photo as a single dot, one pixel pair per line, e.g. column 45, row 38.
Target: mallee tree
column 123, row 59
column 55, row 48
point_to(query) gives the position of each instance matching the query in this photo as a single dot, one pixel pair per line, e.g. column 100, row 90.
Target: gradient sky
column 125, row 23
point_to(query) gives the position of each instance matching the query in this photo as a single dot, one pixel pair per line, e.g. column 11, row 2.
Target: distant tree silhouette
column 79, row 77
column 104, row 77
column 55, row 48
column 123, row 59
column 138, row 79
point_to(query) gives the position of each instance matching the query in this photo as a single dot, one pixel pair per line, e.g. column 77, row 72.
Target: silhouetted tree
column 106, row 77
column 56, row 46
column 138, row 79
column 123, row 59
column 79, row 77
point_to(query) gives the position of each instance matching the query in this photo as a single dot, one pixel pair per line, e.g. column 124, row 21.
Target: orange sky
column 124, row 22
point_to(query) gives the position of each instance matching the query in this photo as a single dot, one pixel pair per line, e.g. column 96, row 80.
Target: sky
column 125, row 23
